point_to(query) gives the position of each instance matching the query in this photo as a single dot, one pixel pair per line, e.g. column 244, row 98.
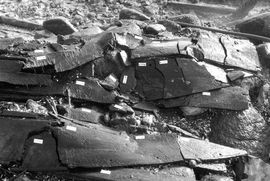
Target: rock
column 151, row 10
column 187, row 18
column 216, row 178
column 89, row 31
column 256, row 169
column 35, row 107
column 242, row 129
column 43, row 34
column 263, row 95
column 170, row 25
column 192, row 111
column 264, row 53
column 121, row 108
column 131, row 28
column 59, row 25
column 154, row 29
column 127, row 13
column 258, row 25
column 235, row 74
column 148, row 119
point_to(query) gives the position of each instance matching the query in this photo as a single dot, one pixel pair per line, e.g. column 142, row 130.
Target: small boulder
column 154, row 29
column 127, row 13
column 59, row 26
column 187, row 18
column 192, row 111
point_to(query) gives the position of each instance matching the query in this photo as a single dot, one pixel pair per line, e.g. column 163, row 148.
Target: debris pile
column 97, row 103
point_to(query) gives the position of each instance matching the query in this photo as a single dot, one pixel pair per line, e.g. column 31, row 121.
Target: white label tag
column 112, row 78
column 118, row 106
column 142, row 64
column 71, row 128
column 38, row 141
column 141, row 137
column 80, row 83
column 108, row 172
column 138, row 37
column 39, row 51
column 86, row 110
column 163, row 62
column 155, row 42
column 206, row 93
column 125, row 78
column 41, row 58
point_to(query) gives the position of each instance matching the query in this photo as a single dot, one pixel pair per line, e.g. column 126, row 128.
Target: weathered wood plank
column 11, row 66
column 14, row 133
column 230, row 98
column 98, row 146
column 195, row 149
column 25, row 78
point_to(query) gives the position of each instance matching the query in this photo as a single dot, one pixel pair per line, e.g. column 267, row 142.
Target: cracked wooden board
column 195, row 149
column 230, row 98
column 98, row 146
column 13, row 134
column 212, row 48
column 240, row 53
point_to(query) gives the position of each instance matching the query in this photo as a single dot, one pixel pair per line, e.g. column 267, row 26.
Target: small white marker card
column 141, row 137
column 41, row 58
column 39, row 51
column 112, row 78
column 78, row 82
column 108, row 172
column 206, row 93
column 163, row 62
column 71, row 128
column 138, row 37
column 125, row 78
column 38, row 141
column 142, row 64
column 118, row 107
column 86, row 110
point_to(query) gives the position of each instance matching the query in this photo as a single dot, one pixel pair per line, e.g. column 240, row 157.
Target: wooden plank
column 195, row 149
column 41, row 157
column 14, row 133
column 25, row 78
column 70, row 59
column 175, row 84
column 230, row 98
column 135, row 174
column 11, row 66
column 240, row 53
column 127, row 80
column 160, row 48
column 98, row 146
column 209, row 8
column 199, row 78
column 91, row 91
column 150, row 81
